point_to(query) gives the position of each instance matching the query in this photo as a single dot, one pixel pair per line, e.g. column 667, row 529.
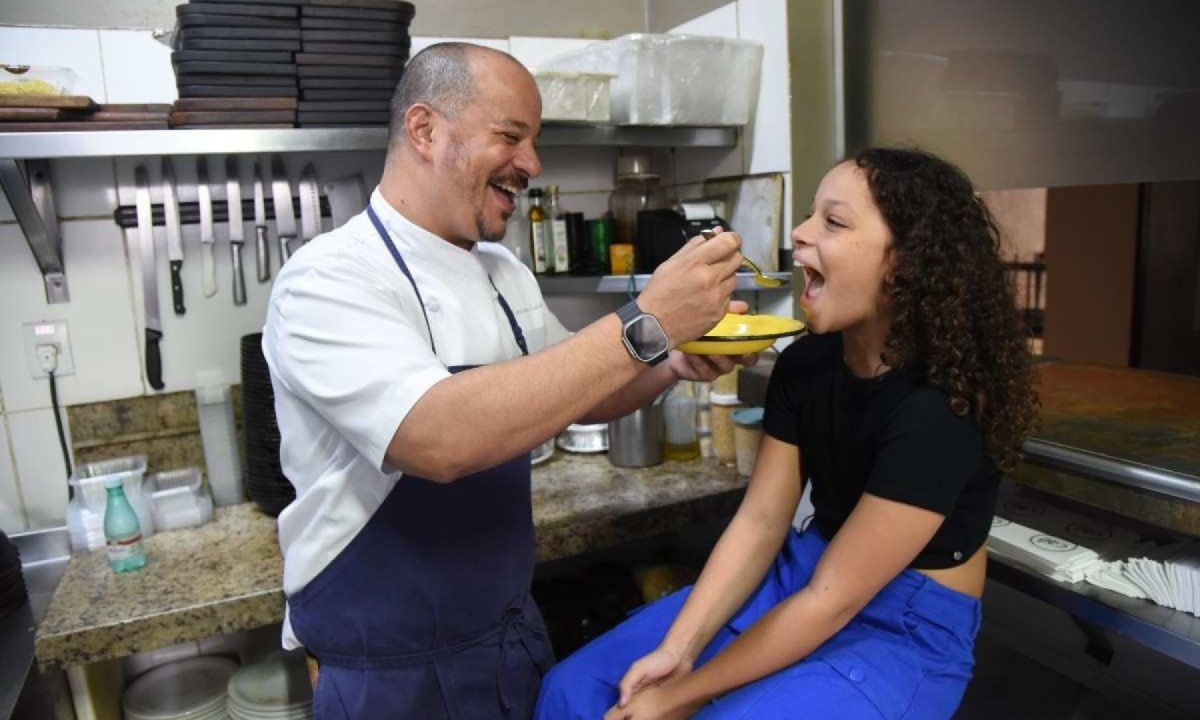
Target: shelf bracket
column 32, row 200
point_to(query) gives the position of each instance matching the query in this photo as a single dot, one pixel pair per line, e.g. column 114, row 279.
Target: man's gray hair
column 439, row 76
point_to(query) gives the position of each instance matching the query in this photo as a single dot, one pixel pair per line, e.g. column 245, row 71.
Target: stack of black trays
column 265, row 482
column 12, row 583
column 352, row 54
column 281, row 63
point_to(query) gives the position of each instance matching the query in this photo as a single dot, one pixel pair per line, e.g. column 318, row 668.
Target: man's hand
column 690, row 292
column 706, row 368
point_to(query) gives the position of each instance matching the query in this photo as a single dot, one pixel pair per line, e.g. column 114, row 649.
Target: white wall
column 104, row 316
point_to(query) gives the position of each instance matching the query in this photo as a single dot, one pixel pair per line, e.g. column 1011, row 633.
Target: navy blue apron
column 426, row 614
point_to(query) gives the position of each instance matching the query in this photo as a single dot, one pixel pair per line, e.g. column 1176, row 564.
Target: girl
column 902, row 408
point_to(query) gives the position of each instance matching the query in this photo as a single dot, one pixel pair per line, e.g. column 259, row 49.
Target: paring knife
column 262, row 258
column 310, row 203
column 207, row 240
column 174, row 235
column 233, row 200
column 145, row 230
column 285, row 217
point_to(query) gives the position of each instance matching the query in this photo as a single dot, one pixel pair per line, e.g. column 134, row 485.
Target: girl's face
column 843, row 246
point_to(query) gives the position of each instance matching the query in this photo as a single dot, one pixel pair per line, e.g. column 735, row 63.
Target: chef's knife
column 310, row 203
column 174, row 235
column 207, row 239
column 281, row 198
column 233, row 201
column 145, row 230
column 262, row 258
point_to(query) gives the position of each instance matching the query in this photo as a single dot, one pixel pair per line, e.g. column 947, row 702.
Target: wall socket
column 47, row 332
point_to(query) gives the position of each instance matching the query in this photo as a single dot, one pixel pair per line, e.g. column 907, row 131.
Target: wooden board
column 26, row 114
column 65, row 126
column 227, row 117
column 235, row 103
column 78, row 102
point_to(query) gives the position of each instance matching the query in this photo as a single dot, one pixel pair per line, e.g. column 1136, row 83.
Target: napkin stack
column 1049, row 555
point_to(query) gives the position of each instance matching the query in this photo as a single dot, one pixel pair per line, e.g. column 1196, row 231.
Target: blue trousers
column 908, row 654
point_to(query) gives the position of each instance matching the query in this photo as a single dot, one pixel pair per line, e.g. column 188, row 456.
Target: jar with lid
column 637, row 189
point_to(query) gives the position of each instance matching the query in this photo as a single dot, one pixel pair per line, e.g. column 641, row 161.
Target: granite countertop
column 227, row 575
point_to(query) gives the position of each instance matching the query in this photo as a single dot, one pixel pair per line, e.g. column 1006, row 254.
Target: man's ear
column 419, row 121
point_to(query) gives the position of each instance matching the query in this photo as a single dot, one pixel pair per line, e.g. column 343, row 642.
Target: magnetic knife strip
column 125, row 216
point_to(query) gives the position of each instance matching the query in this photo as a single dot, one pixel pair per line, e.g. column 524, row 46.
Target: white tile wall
column 12, row 510
column 78, row 50
column 137, row 68
column 40, row 468
column 420, row 43
column 768, row 138
column 722, row 22
column 531, row 51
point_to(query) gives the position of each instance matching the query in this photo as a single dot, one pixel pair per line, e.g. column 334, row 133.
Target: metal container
column 636, row 439
column 584, row 438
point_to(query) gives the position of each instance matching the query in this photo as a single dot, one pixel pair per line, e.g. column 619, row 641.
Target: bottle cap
column 114, row 481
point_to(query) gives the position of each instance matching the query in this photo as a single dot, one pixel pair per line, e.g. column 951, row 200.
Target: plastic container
column 747, row 428
column 37, row 80
column 574, row 95
column 674, row 79
column 85, row 513
column 723, row 434
column 179, row 499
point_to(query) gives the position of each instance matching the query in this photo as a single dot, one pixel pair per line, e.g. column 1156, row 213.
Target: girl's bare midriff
column 967, row 578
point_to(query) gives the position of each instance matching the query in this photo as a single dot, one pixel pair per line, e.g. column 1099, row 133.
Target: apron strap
column 512, row 319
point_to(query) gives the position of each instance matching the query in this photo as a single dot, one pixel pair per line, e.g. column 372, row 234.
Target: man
column 415, row 365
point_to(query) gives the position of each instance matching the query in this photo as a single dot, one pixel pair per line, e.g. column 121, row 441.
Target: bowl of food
column 741, row 334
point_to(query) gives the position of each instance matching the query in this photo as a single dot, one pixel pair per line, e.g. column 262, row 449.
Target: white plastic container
column 673, row 79
column 179, row 499
column 574, row 95
column 85, row 512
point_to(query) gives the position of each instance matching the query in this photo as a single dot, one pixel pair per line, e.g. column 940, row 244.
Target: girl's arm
column 878, row 541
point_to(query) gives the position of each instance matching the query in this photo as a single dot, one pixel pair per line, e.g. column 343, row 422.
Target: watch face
column 648, row 337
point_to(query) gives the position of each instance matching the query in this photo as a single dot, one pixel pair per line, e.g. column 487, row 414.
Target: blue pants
column 907, row 654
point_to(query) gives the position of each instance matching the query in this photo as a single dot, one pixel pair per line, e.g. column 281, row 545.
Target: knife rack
column 125, row 216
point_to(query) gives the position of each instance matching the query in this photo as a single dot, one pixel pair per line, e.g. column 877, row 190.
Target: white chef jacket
column 349, row 354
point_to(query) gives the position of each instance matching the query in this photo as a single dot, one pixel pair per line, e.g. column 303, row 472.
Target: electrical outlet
column 47, row 332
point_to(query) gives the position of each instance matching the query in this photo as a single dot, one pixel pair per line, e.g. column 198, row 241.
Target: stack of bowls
column 265, row 482
column 276, row 688
column 191, row 689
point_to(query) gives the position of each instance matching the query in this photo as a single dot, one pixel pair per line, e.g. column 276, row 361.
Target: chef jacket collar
column 434, row 252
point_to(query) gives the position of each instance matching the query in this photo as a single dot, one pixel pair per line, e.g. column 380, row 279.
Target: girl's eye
column 831, row 222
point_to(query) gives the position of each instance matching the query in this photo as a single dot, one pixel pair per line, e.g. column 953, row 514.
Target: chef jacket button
column 856, row 674
column 958, row 555
column 432, row 305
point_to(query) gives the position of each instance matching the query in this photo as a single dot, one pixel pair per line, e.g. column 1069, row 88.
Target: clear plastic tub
column 574, row 95
column 673, row 79
column 179, row 499
column 88, row 480
column 36, row 80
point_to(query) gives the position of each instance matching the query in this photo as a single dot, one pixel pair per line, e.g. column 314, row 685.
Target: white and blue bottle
column 122, row 531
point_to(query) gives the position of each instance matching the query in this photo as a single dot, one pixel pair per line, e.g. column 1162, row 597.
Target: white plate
column 188, row 688
column 280, row 682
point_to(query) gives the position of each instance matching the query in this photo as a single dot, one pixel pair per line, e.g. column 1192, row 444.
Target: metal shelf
column 118, row 143
column 563, row 285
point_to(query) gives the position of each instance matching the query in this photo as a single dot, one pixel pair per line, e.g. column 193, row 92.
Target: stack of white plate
column 276, row 688
column 191, row 689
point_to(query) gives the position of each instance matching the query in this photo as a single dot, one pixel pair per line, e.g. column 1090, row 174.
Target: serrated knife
column 262, row 257
column 310, row 203
column 146, row 258
column 233, row 200
column 174, row 235
column 208, row 241
column 285, row 214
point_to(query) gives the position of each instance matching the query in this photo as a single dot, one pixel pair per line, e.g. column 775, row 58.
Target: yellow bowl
column 741, row 334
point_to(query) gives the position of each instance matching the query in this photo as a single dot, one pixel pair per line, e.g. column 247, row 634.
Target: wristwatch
column 642, row 334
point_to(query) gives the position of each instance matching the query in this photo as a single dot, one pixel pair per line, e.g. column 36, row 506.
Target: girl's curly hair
column 954, row 311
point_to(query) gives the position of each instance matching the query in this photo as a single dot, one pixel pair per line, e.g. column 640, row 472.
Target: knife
column 174, row 236
column 346, row 198
column 310, row 203
column 285, row 217
column 233, row 201
column 262, row 258
column 145, row 230
column 207, row 240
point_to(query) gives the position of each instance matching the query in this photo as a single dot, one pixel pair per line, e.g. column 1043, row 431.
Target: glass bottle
column 558, row 255
column 538, row 232
column 637, row 189
column 122, row 531
column 681, row 441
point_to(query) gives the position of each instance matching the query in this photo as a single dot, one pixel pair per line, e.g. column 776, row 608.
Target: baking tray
column 220, row 3
column 390, row 50
column 214, row 20
column 205, row 79
column 385, row 61
column 238, row 44
column 355, row 13
column 237, row 33
column 307, row 105
column 232, row 68
column 360, row 118
column 350, row 71
column 265, row 10
column 323, row 23
column 229, row 117
column 271, row 56
column 207, row 104
column 342, row 83
column 367, row 36
column 189, row 91
column 339, row 93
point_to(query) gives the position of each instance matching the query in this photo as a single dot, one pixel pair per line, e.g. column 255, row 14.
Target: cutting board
column 27, row 114
column 231, row 117
column 262, row 10
column 383, row 95
column 323, row 23
column 73, row 102
column 238, row 44
column 383, row 61
column 376, row 35
column 212, row 20
column 229, row 103
column 327, row 83
column 754, row 206
column 225, row 91
column 388, row 50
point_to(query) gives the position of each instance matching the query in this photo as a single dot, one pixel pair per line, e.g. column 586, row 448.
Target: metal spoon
column 760, row 278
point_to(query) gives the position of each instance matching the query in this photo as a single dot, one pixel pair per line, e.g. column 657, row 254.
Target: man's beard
column 484, row 235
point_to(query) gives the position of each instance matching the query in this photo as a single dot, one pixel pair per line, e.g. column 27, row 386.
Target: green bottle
column 122, row 531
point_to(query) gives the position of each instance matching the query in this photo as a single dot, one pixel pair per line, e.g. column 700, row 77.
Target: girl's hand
column 654, row 703
column 660, row 665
